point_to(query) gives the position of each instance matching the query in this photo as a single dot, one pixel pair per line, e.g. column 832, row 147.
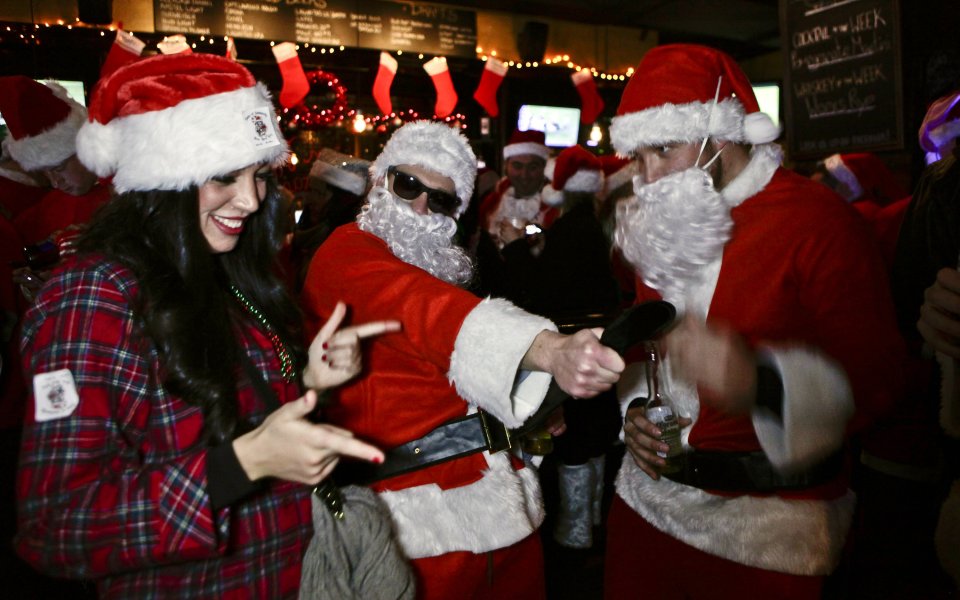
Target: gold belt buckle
column 492, row 432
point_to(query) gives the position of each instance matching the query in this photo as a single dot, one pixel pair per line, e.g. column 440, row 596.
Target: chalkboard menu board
column 842, row 83
column 410, row 26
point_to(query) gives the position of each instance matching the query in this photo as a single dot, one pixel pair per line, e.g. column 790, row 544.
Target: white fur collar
column 764, row 160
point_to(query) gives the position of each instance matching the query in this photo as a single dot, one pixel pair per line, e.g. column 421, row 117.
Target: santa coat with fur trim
column 800, row 281
column 456, row 352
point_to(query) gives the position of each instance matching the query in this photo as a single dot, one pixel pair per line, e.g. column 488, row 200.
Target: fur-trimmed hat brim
column 186, row 144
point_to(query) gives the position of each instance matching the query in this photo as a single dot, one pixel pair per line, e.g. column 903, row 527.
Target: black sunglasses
column 409, row 187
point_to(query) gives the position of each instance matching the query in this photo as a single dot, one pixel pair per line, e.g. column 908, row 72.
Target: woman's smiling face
column 226, row 202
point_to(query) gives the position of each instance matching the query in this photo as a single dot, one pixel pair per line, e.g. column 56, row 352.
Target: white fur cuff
column 492, row 341
column 817, row 404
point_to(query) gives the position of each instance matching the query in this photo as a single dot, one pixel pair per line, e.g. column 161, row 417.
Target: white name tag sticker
column 263, row 133
column 55, row 395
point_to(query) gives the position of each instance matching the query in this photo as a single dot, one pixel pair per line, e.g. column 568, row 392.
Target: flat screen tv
column 560, row 124
column 768, row 97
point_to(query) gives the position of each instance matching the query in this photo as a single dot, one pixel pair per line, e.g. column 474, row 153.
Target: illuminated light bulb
column 479, row 50
column 570, row 65
column 359, row 125
column 596, row 135
column 420, row 56
column 493, row 53
column 536, row 64
column 202, row 37
column 566, row 57
column 293, row 159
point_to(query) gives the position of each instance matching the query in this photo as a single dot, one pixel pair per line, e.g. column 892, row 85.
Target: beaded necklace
column 286, row 361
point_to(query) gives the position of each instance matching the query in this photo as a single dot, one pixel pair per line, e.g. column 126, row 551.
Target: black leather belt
column 481, row 431
column 749, row 472
column 456, row 438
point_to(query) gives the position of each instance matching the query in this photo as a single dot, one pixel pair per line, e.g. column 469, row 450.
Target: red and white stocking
column 591, row 104
column 381, row 85
column 486, row 94
column 446, row 95
column 295, row 84
column 126, row 48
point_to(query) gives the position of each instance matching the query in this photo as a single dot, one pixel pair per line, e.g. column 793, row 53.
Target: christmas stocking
column 590, row 101
column 446, row 95
column 295, row 84
column 486, row 94
column 231, row 49
column 174, row 44
column 126, row 48
column 381, row 85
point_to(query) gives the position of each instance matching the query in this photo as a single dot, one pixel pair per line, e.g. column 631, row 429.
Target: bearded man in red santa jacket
column 787, row 345
column 467, row 517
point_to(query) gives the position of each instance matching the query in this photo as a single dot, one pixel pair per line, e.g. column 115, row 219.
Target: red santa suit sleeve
column 454, row 354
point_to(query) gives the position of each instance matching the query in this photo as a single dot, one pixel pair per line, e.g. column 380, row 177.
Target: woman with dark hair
column 167, row 441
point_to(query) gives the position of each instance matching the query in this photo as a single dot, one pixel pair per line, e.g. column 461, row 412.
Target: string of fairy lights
column 309, row 116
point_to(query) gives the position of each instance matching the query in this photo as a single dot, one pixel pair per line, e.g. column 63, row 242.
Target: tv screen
column 74, row 91
column 768, row 96
column 560, row 124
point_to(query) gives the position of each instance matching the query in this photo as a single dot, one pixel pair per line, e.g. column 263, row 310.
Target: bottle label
column 663, row 417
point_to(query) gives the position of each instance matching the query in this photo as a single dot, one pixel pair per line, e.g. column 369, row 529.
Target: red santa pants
column 512, row 572
column 643, row 562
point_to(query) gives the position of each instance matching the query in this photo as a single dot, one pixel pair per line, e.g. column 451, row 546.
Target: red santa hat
column 342, row 171
column 171, row 121
column 941, row 124
column 42, row 121
column 866, row 176
column 434, row 146
column 527, row 142
column 578, row 170
column 670, row 98
column 617, row 171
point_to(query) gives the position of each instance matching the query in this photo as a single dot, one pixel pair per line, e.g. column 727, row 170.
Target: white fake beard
column 522, row 209
column 424, row 241
column 671, row 229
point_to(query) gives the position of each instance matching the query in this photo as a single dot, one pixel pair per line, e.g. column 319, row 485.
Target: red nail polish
column 377, row 459
column 325, row 345
column 323, row 358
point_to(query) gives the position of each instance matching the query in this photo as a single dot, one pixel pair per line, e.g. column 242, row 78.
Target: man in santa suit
column 43, row 122
column 468, row 523
column 518, row 198
column 865, row 181
column 786, row 345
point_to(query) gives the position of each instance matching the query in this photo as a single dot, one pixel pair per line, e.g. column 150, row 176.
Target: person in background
column 518, row 199
column 43, row 122
column 868, row 185
column 785, row 347
column 570, row 280
column 466, row 509
column 168, row 446
column 338, row 184
column 925, row 283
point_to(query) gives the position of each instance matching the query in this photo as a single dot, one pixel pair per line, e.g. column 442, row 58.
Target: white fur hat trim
column 691, row 122
column 185, row 144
